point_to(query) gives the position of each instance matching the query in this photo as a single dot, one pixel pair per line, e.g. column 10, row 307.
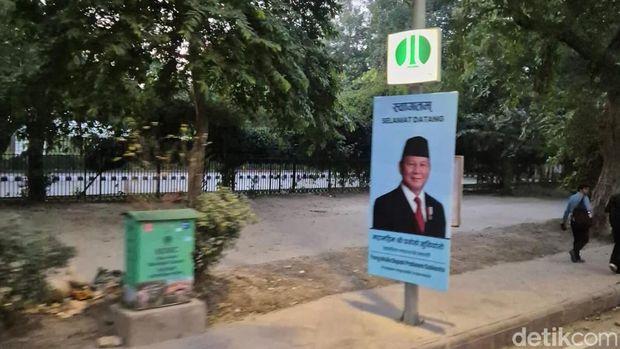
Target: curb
column 499, row 334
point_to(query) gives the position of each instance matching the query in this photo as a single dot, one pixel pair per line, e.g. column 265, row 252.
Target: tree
column 24, row 70
column 246, row 57
column 51, row 55
column 500, row 122
column 360, row 48
column 360, row 86
column 387, row 16
column 114, row 60
column 349, row 47
column 592, row 32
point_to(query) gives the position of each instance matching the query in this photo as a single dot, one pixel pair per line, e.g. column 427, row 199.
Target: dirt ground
column 250, row 290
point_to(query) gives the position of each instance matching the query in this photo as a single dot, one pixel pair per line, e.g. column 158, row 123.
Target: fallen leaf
column 109, row 342
column 82, row 295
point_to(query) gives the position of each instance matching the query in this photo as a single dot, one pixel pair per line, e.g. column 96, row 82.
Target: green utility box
column 159, row 265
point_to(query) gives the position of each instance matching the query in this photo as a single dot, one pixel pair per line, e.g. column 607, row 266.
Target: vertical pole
column 270, row 174
column 410, row 314
column 83, row 163
column 418, row 14
column 294, row 185
column 158, row 188
column 329, row 177
column 100, row 174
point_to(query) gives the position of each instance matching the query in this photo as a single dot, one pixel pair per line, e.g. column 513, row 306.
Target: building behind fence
column 69, row 177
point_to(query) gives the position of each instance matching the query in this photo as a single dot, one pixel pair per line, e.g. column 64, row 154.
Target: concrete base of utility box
column 144, row 327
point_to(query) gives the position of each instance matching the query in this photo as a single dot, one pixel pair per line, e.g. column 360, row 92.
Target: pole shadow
column 377, row 305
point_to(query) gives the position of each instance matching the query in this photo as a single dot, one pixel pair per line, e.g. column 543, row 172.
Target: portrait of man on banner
column 409, row 208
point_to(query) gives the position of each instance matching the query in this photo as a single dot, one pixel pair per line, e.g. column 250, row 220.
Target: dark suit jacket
column 613, row 208
column 392, row 212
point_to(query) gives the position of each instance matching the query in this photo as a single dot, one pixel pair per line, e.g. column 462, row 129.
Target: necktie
column 418, row 214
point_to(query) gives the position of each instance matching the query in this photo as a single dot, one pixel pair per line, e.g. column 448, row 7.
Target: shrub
column 25, row 256
column 222, row 214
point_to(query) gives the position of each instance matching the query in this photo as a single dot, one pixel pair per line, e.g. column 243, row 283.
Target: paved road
column 289, row 226
column 293, row 226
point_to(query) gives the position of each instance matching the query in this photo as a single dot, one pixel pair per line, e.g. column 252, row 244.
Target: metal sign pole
column 410, row 314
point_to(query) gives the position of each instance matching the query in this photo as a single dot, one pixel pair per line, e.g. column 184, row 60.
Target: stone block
column 144, row 327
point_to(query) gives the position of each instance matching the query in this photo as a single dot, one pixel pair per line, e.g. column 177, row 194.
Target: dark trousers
column 615, row 254
column 581, row 236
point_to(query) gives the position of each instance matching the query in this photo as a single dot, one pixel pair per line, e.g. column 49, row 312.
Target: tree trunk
column 37, row 182
column 609, row 179
column 196, row 167
column 228, row 175
column 198, row 151
column 6, row 136
column 507, row 177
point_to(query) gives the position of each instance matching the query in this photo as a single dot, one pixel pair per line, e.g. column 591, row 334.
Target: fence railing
column 71, row 177
column 68, row 177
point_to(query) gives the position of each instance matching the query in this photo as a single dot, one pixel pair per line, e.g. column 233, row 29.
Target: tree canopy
column 113, row 60
column 581, row 78
column 538, row 81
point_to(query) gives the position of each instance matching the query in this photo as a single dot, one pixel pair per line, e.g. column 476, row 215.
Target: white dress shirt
column 411, row 200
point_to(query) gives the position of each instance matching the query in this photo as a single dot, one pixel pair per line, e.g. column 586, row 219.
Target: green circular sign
column 417, row 54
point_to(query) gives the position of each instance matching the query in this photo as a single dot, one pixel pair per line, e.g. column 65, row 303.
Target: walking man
column 613, row 208
column 579, row 210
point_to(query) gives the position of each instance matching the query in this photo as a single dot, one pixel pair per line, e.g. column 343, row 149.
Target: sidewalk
column 482, row 310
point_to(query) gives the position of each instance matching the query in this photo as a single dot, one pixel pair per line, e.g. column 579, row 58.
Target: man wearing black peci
column 408, row 209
